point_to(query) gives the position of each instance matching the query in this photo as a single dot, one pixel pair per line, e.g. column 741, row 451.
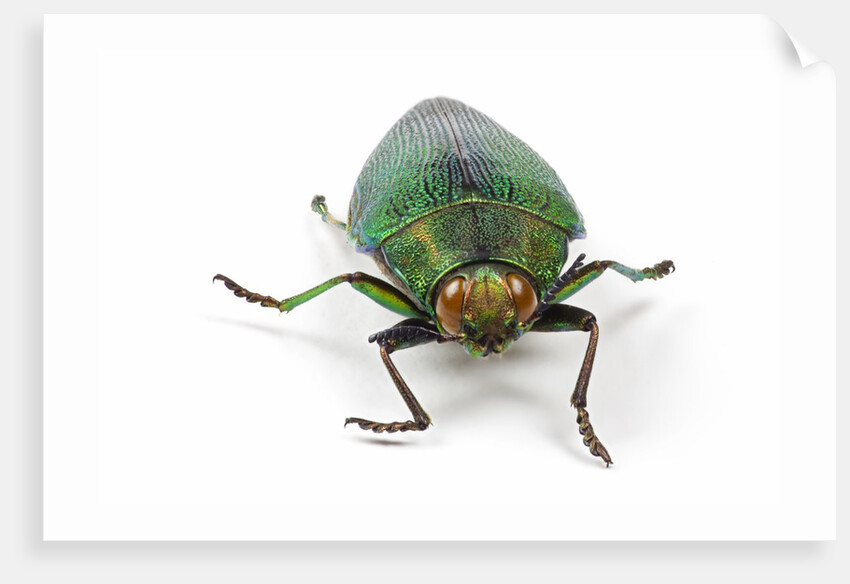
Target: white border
column 816, row 23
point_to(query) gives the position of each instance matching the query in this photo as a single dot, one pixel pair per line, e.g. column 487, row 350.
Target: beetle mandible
column 472, row 228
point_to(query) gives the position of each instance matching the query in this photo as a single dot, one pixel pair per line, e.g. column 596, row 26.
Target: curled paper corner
column 806, row 56
column 797, row 50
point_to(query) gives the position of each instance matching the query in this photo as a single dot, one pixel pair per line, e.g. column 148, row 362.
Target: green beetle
column 472, row 228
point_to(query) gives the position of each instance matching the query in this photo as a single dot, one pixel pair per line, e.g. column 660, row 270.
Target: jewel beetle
column 471, row 227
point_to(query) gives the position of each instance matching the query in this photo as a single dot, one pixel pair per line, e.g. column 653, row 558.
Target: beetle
column 471, row 227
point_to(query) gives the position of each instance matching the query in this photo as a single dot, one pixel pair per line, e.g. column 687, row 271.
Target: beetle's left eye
column 450, row 303
column 524, row 296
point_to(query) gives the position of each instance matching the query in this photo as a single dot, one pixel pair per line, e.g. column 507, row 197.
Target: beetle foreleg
column 378, row 290
column 406, row 334
column 575, row 279
column 319, row 206
column 564, row 318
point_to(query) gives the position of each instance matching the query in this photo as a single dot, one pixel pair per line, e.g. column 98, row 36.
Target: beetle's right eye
column 450, row 303
column 524, row 297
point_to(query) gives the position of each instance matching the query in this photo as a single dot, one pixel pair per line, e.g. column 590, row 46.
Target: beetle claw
column 664, row 268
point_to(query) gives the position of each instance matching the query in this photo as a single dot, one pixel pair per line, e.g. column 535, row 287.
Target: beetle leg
column 577, row 278
column 249, row 296
column 384, row 294
column 319, row 206
column 406, row 334
column 563, row 318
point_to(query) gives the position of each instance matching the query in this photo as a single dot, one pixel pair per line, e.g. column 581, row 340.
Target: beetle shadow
column 281, row 333
column 625, row 316
column 385, row 441
column 547, row 414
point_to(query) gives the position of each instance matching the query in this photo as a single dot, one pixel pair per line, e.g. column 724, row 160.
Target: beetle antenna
column 555, row 288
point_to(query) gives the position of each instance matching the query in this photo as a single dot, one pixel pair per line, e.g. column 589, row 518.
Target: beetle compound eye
column 450, row 304
column 524, row 296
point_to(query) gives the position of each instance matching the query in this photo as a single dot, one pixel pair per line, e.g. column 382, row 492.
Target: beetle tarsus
column 589, row 436
column 390, row 428
column 249, row 296
column 660, row 270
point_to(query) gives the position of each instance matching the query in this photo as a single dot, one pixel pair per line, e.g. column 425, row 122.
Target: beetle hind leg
column 319, row 206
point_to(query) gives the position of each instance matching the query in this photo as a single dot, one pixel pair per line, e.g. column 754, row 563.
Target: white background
column 174, row 411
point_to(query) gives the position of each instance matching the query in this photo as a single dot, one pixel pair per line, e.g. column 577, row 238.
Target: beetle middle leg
column 408, row 333
column 384, row 294
column 564, row 318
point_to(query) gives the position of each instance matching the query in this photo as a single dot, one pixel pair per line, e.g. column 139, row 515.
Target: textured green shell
column 443, row 153
column 421, row 254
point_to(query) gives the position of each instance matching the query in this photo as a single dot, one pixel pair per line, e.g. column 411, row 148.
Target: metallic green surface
column 371, row 287
column 443, row 153
column 489, row 323
column 423, row 252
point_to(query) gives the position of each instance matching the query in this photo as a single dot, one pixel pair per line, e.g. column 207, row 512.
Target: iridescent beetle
column 472, row 227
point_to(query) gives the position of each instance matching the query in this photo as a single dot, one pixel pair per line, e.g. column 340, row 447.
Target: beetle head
column 483, row 305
